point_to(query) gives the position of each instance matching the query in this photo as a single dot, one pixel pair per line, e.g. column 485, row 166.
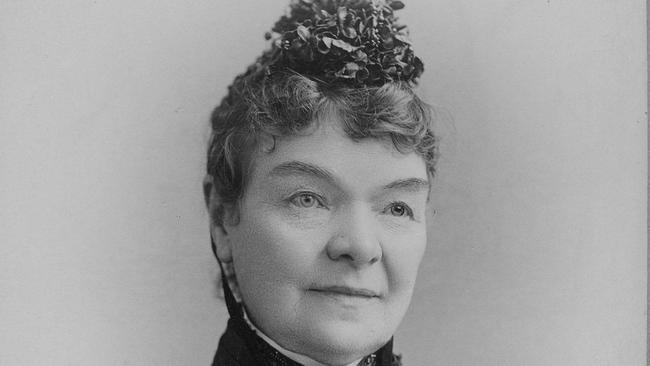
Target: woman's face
column 328, row 243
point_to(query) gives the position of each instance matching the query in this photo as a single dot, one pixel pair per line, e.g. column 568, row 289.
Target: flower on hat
column 353, row 41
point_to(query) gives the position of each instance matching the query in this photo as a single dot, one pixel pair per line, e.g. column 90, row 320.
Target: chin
column 341, row 342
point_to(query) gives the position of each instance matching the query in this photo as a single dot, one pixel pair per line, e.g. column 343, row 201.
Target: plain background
column 537, row 255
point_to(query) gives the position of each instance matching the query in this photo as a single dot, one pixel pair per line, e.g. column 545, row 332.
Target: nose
column 355, row 239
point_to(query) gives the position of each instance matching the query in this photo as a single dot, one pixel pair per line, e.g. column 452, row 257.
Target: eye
column 307, row 200
column 399, row 209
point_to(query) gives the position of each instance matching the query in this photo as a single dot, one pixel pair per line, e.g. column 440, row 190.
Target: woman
column 319, row 169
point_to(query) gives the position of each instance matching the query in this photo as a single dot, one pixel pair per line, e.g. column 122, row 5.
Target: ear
column 214, row 204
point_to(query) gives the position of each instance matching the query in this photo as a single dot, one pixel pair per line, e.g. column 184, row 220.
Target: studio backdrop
column 537, row 254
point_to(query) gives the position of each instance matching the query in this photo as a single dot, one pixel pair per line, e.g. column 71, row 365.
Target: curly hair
column 289, row 103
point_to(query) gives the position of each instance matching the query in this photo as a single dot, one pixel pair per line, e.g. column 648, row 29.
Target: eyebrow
column 409, row 184
column 302, row 168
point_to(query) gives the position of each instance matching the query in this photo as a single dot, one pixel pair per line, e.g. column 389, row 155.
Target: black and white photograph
column 324, row 182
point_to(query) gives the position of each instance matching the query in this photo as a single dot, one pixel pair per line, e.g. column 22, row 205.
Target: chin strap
column 234, row 308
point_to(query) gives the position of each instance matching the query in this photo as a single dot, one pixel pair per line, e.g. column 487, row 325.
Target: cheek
column 269, row 251
column 403, row 254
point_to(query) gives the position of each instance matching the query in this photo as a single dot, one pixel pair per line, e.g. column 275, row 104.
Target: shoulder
column 232, row 350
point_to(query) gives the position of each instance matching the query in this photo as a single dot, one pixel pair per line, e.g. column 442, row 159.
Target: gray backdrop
column 537, row 255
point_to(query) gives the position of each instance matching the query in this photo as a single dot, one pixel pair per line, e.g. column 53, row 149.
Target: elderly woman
column 319, row 169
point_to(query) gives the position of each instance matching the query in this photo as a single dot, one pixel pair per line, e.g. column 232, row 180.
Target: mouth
column 347, row 291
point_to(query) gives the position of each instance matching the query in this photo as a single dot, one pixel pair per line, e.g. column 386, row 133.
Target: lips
column 347, row 291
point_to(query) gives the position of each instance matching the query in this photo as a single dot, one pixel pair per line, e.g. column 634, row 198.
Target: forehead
column 367, row 162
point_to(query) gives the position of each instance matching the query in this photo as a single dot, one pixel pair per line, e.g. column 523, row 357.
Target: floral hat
column 358, row 42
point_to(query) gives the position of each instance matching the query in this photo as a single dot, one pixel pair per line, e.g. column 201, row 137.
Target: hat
column 356, row 42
